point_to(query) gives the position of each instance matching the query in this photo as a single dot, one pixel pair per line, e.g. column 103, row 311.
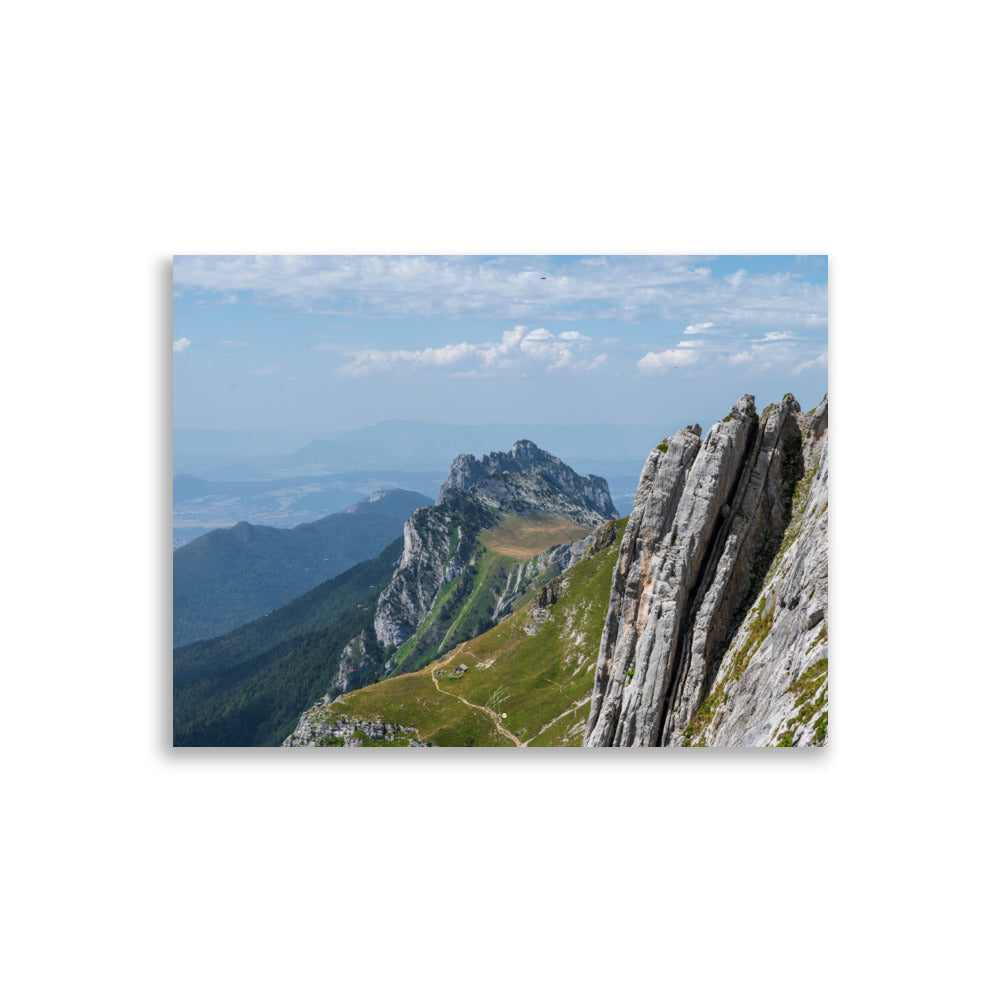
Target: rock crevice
column 709, row 520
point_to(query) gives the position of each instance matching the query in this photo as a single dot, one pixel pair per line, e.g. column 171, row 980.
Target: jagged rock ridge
column 528, row 478
column 716, row 629
column 441, row 547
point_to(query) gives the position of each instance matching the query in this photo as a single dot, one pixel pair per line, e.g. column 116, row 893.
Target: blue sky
column 327, row 344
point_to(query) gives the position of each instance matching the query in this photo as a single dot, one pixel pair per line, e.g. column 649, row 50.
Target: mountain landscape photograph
column 507, row 501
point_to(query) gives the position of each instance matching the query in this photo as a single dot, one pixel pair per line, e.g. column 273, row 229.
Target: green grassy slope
column 518, row 688
column 492, row 548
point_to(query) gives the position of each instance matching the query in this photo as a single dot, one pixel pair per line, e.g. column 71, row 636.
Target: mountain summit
column 526, row 478
column 502, row 525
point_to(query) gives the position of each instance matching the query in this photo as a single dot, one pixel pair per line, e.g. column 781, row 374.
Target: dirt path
column 501, row 729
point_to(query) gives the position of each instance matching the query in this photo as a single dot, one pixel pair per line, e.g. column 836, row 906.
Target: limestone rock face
column 439, row 542
column 527, row 478
column 359, row 663
column 775, row 693
column 437, row 545
column 721, row 533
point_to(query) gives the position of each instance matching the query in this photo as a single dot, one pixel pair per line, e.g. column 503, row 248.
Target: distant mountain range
column 399, row 444
column 414, row 444
column 201, row 505
column 234, row 575
column 223, row 477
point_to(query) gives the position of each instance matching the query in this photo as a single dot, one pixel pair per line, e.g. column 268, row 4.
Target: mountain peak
column 528, row 478
column 527, row 449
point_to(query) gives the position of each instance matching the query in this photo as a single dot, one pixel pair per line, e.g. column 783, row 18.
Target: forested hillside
column 232, row 576
column 248, row 687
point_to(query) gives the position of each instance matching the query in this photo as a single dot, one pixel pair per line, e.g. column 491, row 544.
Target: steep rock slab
column 639, row 566
column 746, row 544
column 771, row 688
column 706, row 524
column 440, row 542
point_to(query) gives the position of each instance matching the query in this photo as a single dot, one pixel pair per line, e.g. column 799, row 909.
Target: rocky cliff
column 716, row 630
column 447, row 577
column 527, row 478
column 438, row 543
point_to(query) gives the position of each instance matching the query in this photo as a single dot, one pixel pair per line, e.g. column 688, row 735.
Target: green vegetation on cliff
column 491, row 549
column 810, row 699
column 527, row 681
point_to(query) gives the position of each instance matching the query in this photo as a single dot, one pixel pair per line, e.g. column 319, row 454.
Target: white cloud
column 775, row 335
column 691, row 343
column 769, row 352
column 697, row 328
column 441, row 357
column 515, row 349
column 367, row 362
column 779, row 353
column 613, row 288
column 180, row 346
column 555, row 352
column 819, row 361
column 655, row 362
column 511, row 338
